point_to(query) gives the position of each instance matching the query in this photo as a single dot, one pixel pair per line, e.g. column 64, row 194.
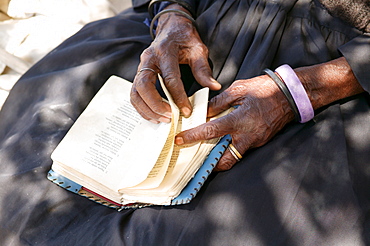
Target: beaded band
column 169, row 11
column 282, row 86
column 179, row 2
column 297, row 91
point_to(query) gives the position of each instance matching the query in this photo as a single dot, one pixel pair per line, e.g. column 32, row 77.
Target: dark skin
column 263, row 109
column 177, row 42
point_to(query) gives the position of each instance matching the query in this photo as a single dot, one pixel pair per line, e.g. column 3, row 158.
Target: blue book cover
column 187, row 194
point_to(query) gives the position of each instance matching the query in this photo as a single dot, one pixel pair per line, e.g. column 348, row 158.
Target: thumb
column 203, row 74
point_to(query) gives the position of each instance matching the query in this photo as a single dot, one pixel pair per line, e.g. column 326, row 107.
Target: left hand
column 177, row 42
column 263, row 111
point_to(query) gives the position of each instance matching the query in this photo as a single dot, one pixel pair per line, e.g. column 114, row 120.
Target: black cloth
column 308, row 186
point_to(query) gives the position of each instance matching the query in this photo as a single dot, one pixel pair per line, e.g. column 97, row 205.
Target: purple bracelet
column 298, row 92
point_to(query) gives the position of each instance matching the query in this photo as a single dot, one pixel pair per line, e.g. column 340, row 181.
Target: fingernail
column 179, row 141
column 186, row 111
column 216, row 83
column 164, row 120
column 168, row 115
column 154, row 121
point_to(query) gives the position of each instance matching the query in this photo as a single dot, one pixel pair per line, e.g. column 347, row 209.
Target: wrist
column 155, row 6
column 328, row 82
column 278, row 108
column 287, row 113
column 176, row 17
column 299, row 98
column 279, row 103
column 158, row 8
column 178, row 7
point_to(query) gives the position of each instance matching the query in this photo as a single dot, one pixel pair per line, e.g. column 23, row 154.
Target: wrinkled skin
column 177, row 42
column 263, row 109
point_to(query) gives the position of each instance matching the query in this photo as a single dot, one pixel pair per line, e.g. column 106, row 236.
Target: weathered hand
column 263, row 110
column 177, row 42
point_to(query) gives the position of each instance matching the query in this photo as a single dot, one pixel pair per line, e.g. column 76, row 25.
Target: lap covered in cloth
column 308, row 186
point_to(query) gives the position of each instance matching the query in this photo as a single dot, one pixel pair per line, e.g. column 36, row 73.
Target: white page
column 182, row 155
column 116, row 150
column 159, row 171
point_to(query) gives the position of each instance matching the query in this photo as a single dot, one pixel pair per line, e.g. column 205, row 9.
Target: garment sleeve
column 357, row 53
column 139, row 3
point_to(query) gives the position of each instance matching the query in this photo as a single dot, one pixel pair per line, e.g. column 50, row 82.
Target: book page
column 177, row 177
column 110, row 142
column 155, row 177
column 159, row 170
column 182, row 155
column 87, row 182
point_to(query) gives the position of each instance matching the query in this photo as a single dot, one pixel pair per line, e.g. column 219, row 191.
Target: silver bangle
column 183, row 13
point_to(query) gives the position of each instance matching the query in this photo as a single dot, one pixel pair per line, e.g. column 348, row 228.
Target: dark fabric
column 158, row 7
column 357, row 53
column 140, row 3
column 355, row 12
column 308, row 186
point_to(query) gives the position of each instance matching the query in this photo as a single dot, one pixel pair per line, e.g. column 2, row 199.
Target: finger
column 144, row 110
column 212, row 129
column 220, row 103
column 226, row 162
column 146, row 99
column 172, row 79
column 201, row 70
column 233, row 153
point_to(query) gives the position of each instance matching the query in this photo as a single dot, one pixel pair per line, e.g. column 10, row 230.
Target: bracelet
column 297, row 91
column 168, row 11
column 282, row 86
column 179, row 2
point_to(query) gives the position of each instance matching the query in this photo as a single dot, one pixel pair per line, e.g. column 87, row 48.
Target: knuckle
column 200, row 133
column 202, row 48
column 226, row 164
column 225, row 98
column 211, row 131
column 201, row 68
column 170, row 76
column 199, row 53
column 162, row 46
column 146, row 54
column 135, row 100
column 192, row 136
column 169, row 57
column 156, row 108
column 171, row 79
column 138, row 86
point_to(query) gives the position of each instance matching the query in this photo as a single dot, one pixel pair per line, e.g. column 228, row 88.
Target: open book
column 114, row 156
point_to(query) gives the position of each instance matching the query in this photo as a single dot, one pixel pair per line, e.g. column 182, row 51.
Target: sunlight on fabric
column 227, row 214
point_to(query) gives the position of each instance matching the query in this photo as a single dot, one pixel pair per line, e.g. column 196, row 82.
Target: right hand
column 177, row 42
column 262, row 112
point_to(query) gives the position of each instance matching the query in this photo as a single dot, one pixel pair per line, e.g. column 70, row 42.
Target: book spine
column 194, row 185
column 78, row 189
column 64, row 182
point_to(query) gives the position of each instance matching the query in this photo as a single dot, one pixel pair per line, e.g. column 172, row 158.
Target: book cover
column 187, row 194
